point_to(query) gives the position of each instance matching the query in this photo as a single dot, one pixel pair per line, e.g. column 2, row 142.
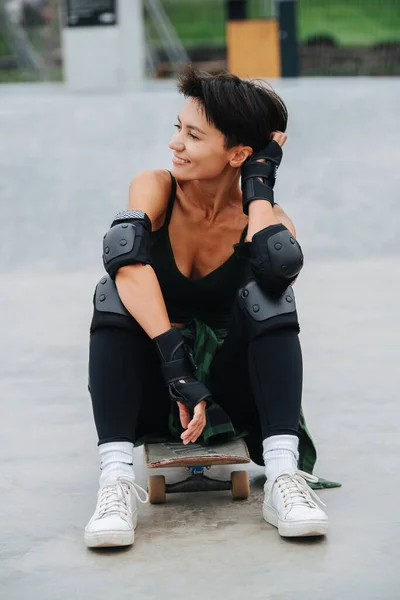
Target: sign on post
column 86, row 13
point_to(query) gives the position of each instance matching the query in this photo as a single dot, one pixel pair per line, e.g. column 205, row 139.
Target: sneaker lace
column 295, row 490
column 114, row 498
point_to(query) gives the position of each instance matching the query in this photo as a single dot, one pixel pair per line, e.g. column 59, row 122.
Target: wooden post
column 253, row 47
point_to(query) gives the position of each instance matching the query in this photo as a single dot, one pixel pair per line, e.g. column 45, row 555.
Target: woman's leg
column 128, row 395
column 129, row 400
column 276, row 375
column 259, row 385
column 263, row 375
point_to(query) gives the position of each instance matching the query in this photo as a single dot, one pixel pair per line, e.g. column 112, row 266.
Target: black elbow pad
column 127, row 242
column 276, row 258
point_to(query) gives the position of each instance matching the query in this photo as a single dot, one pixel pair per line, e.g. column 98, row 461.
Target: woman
column 197, row 265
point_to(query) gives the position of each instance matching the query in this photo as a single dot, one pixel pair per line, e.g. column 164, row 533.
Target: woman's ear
column 239, row 155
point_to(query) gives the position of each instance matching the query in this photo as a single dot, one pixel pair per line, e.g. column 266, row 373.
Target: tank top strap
column 244, row 233
column 171, row 200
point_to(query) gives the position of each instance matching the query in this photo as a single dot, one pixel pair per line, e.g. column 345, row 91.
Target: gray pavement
column 65, row 166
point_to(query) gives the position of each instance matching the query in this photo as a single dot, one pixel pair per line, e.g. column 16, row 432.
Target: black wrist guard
column 177, row 364
column 253, row 171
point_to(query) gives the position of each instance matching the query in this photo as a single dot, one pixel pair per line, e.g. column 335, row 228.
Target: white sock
column 280, row 454
column 116, row 460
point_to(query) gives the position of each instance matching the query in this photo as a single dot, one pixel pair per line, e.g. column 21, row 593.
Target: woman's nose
column 176, row 143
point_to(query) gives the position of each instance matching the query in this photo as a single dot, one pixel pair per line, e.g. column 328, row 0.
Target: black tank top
column 209, row 298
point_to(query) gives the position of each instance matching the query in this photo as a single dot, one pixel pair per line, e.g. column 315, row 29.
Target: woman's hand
column 193, row 428
column 279, row 137
column 258, row 180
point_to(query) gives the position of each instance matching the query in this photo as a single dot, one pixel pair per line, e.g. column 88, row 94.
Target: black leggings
column 258, row 384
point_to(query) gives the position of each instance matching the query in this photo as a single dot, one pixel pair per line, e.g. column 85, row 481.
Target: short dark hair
column 244, row 111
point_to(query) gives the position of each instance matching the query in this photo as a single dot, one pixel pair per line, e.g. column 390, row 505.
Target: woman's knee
column 261, row 313
column 108, row 310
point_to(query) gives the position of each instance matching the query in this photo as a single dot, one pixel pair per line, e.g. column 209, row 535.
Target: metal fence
column 335, row 37
column 203, row 21
column 349, row 37
column 30, row 40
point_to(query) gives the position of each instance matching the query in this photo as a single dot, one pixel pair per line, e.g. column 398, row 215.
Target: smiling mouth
column 180, row 161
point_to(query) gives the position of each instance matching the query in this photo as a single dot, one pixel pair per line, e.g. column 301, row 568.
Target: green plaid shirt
column 204, row 342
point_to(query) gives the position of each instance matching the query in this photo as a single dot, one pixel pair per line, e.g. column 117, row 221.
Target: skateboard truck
column 198, row 482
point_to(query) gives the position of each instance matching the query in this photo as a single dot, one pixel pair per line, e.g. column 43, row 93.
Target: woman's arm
column 284, row 219
column 140, row 291
column 141, row 295
column 261, row 213
column 264, row 214
column 275, row 255
column 138, row 285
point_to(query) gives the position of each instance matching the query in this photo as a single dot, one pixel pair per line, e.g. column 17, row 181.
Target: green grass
column 21, row 76
column 197, row 21
column 4, row 49
column 204, row 20
column 350, row 22
column 16, row 76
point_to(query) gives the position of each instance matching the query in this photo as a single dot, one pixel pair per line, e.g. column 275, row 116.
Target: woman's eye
column 178, row 127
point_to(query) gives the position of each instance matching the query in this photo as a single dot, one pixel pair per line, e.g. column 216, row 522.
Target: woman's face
column 199, row 148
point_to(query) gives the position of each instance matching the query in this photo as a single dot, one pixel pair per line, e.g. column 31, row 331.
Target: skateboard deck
column 175, row 454
column 196, row 459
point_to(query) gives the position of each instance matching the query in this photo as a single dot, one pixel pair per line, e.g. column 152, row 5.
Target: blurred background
column 326, row 37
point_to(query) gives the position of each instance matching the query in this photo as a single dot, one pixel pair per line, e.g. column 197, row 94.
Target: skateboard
column 196, row 459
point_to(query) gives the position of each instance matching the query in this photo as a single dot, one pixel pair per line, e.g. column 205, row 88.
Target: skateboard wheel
column 240, row 485
column 156, row 485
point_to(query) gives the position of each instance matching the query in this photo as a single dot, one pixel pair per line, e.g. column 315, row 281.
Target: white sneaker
column 116, row 515
column 292, row 506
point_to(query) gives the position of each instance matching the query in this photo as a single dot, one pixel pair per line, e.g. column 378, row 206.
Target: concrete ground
column 65, row 165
